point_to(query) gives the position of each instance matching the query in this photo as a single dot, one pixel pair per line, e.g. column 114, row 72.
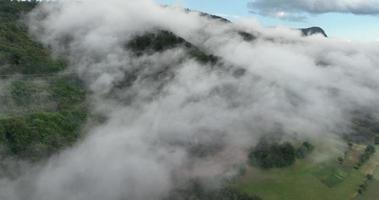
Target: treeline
column 160, row 40
column 277, row 155
column 363, row 187
column 369, row 151
column 194, row 190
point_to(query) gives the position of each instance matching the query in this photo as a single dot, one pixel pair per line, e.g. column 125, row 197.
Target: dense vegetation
column 195, row 191
column 273, row 155
column 11, row 10
column 278, row 155
column 159, row 41
column 39, row 135
column 19, row 53
column 42, row 111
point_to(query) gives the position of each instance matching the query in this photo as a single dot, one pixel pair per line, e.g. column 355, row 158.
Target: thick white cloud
column 296, row 8
column 290, row 86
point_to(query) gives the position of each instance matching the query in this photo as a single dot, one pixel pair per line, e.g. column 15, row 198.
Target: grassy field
column 376, row 174
column 302, row 181
column 306, row 180
column 371, row 167
column 371, row 193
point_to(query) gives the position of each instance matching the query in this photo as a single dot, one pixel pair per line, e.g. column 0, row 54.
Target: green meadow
column 329, row 180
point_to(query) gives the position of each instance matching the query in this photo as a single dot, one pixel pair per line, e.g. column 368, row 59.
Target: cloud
column 287, row 85
column 234, row 17
column 296, row 9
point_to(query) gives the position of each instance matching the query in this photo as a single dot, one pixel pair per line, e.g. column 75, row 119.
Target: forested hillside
column 210, row 112
column 42, row 108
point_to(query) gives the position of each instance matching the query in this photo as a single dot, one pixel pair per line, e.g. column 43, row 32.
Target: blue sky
column 347, row 26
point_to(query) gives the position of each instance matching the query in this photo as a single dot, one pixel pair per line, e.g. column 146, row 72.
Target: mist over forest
column 132, row 100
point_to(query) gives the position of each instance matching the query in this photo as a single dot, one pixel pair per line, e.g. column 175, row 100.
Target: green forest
column 43, row 110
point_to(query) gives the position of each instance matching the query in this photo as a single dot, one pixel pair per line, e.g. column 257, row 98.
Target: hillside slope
column 194, row 109
column 42, row 109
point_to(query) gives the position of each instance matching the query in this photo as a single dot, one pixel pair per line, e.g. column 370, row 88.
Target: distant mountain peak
column 313, row 31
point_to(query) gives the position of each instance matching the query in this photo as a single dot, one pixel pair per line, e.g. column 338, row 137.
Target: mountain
column 171, row 83
column 305, row 31
column 313, row 31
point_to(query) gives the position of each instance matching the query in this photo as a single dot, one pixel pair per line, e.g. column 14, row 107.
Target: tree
column 274, row 155
column 377, row 140
column 305, row 149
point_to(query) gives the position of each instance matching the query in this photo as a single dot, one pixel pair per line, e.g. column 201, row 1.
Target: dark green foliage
column 26, row 95
column 229, row 194
column 38, row 135
column 195, row 191
column 22, row 93
column 11, row 10
column 340, row 160
column 369, row 151
column 67, row 92
column 19, row 53
column 34, row 132
column 273, row 155
column 377, row 140
column 277, row 155
column 159, row 41
column 305, row 149
column 363, row 187
column 15, row 134
column 370, row 177
column 202, row 57
column 164, row 40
